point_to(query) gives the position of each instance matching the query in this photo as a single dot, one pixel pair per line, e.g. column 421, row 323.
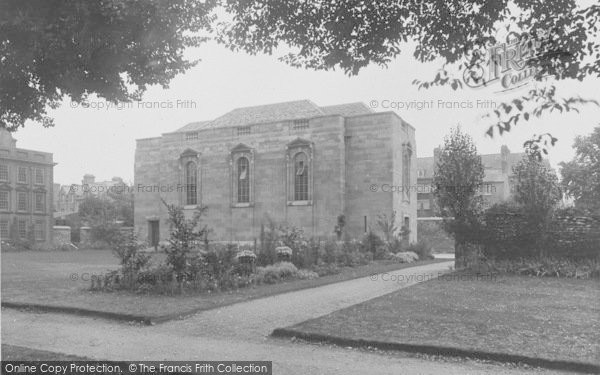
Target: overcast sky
column 102, row 141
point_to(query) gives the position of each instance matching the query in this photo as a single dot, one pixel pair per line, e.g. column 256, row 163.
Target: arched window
column 191, row 183
column 301, row 177
column 243, row 180
column 406, row 169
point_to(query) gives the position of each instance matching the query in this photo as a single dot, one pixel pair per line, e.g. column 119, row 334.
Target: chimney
column 88, row 179
column 436, row 156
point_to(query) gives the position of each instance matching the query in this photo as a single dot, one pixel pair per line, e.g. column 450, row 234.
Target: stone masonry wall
column 349, row 154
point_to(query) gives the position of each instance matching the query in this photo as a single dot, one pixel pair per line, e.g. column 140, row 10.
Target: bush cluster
column 543, row 267
column 284, row 253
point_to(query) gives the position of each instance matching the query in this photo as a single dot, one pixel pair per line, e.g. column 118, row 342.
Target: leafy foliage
column 581, row 176
column 184, row 237
column 537, row 191
column 457, row 178
column 543, row 267
column 536, row 186
column 102, row 210
column 350, row 35
column 114, row 49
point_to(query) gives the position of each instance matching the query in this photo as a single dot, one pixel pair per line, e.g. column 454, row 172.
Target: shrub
column 330, row 252
column 422, row 249
column 326, row 269
column 351, row 255
column 542, row 267
column 371, row 242
column 395, row 245
column 307, row 274
column 269, row 240
column 382, row 252
column 404, row 257
column 184, row 238
column 104, row 234
column 276, row 272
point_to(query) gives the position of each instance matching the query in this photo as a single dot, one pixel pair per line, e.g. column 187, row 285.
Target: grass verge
column 544, row 322
column 20, row 353
column 59, row 282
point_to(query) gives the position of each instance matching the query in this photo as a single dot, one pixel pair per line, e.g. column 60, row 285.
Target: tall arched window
column 243, row 182
column 191, row 183
column 406, row 169
column 301, row 177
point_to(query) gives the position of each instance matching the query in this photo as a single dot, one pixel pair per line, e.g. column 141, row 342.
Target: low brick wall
column 61, row 235
column 509, row 234
column 576, row 235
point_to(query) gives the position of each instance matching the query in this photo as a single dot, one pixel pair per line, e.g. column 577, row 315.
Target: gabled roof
column 349, row 109
column 276, row 112
column 268, row 113
column 195, row 126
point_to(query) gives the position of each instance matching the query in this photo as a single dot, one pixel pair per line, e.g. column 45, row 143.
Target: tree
column 457, row 178
column 112, row 48
column 581, row 176
column 339, row 227
column 102, row 210
column 537, row 192
column 353, row 34
column 185, row 235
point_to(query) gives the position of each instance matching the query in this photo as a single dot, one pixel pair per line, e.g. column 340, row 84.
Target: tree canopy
column 116, row 48
column 560, row 37
column 458, row 176
column 581, row 176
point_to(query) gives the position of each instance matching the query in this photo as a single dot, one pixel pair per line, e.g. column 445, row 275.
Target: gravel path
column 239, row 332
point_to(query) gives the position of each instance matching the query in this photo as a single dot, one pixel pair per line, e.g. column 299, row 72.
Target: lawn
column 61, row 279
column 548, row 318
column 19, row 353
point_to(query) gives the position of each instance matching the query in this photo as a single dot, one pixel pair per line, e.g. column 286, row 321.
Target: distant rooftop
column 491, row 163
column 276, row 112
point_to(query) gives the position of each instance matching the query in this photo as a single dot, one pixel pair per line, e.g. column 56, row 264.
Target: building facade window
column 242, row 173
column 40, row 202
column 243, row 130
column 39, row 176
column 22, row 175
column 191, row 136
column 3, row 172
column 22, row 228
column 191, row 183
column 300, row 124
column 189, row 164
column 4, row 200
column 38, row 231
column 4, row 232
column 300, row 172
column 22, row 203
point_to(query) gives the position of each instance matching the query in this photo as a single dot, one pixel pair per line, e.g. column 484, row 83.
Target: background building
column 292, row 162
column 498, row 180
column 67, row 198
column 26, row 191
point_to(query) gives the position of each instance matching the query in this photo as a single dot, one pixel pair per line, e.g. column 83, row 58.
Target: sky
column 101, row 141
